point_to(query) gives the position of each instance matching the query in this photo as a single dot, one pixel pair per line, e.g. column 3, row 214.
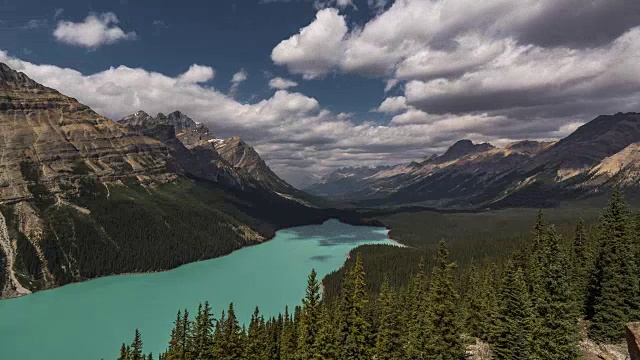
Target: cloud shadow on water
column 333, row 233
column 321, row 258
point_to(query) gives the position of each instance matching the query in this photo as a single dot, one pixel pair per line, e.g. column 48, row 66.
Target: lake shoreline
column 266, row 239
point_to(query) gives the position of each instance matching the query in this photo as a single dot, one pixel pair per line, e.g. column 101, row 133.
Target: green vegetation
column 526, row 304
column 112, row 229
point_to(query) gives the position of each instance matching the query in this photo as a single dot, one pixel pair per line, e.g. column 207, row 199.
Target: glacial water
column 90, row 320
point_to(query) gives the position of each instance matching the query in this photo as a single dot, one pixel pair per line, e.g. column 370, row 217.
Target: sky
column 315, row 85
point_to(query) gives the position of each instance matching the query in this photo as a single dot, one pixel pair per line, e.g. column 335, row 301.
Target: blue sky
column 172, row 35
column 323, row 84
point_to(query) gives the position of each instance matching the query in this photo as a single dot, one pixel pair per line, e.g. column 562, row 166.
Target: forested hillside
column 529, row 304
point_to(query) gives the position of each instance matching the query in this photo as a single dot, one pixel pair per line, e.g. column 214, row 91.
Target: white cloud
column 317, row 49
column 393, row 105
column 197, row 74
column 96, row 30
column 281, row 83
column 237, row 79
column 290, row 130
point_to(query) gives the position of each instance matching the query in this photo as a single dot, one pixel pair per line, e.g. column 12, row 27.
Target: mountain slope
column 50, row 139
column 526, row 173
column 231, row 161
column 82, row 196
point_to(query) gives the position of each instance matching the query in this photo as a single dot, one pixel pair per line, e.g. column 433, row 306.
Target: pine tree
column 232, row 337
column 557, row 333
column 356, row 346
column 256, row 338
column 580, row 263
column 203, row 333
column 326, row 347
column 175, row 351
column 446, row 335
column 343, row 311
column 136, row 347
column 615, row 297
column 416, row 336
column 287, row 337
column 308, row 328
column 477, row 302
column 124, row 353
column 388, row 340
column 515, row 318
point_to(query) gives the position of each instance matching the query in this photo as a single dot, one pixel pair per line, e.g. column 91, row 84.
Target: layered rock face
column 51, row 139
column 230, row 161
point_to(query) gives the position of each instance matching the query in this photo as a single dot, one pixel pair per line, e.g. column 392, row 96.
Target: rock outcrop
column 633, row 340
column 48, row 141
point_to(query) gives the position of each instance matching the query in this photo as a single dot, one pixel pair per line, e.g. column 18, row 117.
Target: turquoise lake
column 90, row 320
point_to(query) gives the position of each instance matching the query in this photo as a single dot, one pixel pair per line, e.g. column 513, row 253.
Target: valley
column 84, row 198
column 85, row 320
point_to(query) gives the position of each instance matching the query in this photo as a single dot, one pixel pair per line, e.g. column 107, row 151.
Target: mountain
column 82, row 196
column 599, row 155
column 462, row 148
column 231, row 161
column 50, row 140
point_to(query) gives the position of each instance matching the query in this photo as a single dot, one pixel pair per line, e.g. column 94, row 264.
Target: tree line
column 526, row 307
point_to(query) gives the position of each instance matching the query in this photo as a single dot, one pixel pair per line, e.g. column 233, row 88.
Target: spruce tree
column 445, row 330
column 124, row 353
column 557, row 332
column 256, row 345
column 515, row 318
column 136, row 347
column 580, row 267
column 325, row 345
column 615, row 297
column 287, row 337
column 308, row 328
column 343, row 311
column 203, row 333
column 175, row 350
column 232, row 337
column 416, row 336
column 388, row 340
column 356, row 346
column 477, row 304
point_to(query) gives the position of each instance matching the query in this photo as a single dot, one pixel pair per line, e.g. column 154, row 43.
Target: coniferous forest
column 530, row 304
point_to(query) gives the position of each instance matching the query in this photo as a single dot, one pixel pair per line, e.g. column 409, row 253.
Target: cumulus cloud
column 237, row 79
column 281, row 83
column 293, row 132
column 94, row 31
column 316, row 49
column 532, row 66
column 393, row 105
column 197, row 74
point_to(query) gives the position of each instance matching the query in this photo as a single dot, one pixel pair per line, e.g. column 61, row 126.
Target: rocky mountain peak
column 10, row 76
column 592, row 142
column 463, row 148
column 529, row 147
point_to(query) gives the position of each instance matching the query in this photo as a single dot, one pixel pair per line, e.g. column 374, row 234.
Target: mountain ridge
column 480, row 175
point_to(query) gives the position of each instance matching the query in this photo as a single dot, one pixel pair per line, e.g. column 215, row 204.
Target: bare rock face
column 51, row 139
column 633, row 340
column 229, row 161
column 241, row 155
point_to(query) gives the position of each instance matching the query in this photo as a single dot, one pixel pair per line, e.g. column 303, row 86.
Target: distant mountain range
column 83, row 196
column 602, row 154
